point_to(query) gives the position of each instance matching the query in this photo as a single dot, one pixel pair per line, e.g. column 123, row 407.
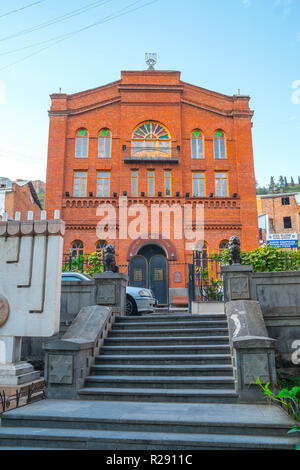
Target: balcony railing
column 157, row 153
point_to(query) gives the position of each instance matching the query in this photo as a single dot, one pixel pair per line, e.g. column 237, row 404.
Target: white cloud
column 296, row 94
column 2, row 92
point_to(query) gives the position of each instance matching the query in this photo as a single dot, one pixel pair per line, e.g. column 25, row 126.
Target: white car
column 138, row 299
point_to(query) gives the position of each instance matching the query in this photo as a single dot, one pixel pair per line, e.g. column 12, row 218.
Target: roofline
column 229, row 97
column 78, row 93
column 150, row 72
column 34, row 194
column 265, row 196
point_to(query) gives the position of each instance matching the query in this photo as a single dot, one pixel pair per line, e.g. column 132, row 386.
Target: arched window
column 202, row 256
column 205, row 256
column 104, row 143
column 223, row 245
column 151, row 139
column 100, row 245
column 197, row 144
column 219, row 145
column 81, row 145
column 77, row 248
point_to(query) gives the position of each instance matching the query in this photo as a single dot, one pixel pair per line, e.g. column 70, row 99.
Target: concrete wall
column 279, row 296
column 74, row 296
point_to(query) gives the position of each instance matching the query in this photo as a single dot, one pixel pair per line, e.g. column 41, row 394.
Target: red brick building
column 158, row 140
column 18, row 196
column 280, row 214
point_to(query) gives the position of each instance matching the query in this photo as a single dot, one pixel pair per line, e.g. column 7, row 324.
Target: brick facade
column 20, row 198
column 121, row 106
column 278, row 207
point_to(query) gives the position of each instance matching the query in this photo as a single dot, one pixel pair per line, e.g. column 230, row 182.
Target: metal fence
column 22, row 397
column 88, row 264
column 205, row 277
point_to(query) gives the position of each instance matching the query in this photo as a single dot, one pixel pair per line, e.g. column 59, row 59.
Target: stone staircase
column 164, row 358
column 161, row 382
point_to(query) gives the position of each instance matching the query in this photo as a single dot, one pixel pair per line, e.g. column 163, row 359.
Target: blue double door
column 150, row 272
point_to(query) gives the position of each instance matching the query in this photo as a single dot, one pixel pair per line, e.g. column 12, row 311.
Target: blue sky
column 221, row 45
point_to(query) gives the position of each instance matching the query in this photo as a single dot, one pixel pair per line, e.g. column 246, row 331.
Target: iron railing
column 152, row 153
column 206, row 278
column 84, row 264
column 25, row 396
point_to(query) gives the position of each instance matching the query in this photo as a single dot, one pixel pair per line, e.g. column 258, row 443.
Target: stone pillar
column 253, row 350
column 237, row 282
column 30, row 284
column 13, row 371
column 110, row 290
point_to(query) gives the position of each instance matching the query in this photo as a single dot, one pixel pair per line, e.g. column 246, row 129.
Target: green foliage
column 289, row 399
column 265, row 259
column 212, row 287
column 281, row 185
column 268, row 259
column 94, row 263
column 287, row 381
column 86, row 264
column 295, row 429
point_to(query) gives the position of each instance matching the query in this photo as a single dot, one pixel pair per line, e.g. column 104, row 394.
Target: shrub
column 265, row 259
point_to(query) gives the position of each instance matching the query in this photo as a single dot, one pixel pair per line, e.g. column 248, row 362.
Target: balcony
column 158, row 153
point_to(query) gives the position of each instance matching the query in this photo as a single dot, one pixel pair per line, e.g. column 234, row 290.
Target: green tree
column 281, row 182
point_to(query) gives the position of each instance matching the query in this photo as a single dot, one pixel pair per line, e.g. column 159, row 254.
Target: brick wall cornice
column 221, row 112
column 154, row 88
column 205, row 91
column 208, row 226
column 211, row 203
column 85, row 109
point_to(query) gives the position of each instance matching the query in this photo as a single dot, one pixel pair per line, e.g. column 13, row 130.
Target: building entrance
column 149, row 269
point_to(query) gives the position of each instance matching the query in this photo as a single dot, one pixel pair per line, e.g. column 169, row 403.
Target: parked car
column 138, row 300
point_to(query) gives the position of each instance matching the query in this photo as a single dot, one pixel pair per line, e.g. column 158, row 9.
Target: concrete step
column 159, row 395
column 159, row 370
column 17, row 447
column 126, row 325
column 168, row 382
column 166, row 341
column 176, row 332
column 125, row 440
column 173, row 349
column 171, row 318
column 188, row 418
column 165, row 359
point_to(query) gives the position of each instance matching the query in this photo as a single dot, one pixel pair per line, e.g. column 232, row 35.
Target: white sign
column 283, row 236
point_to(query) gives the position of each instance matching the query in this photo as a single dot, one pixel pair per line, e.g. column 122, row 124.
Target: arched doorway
column 149, row 269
